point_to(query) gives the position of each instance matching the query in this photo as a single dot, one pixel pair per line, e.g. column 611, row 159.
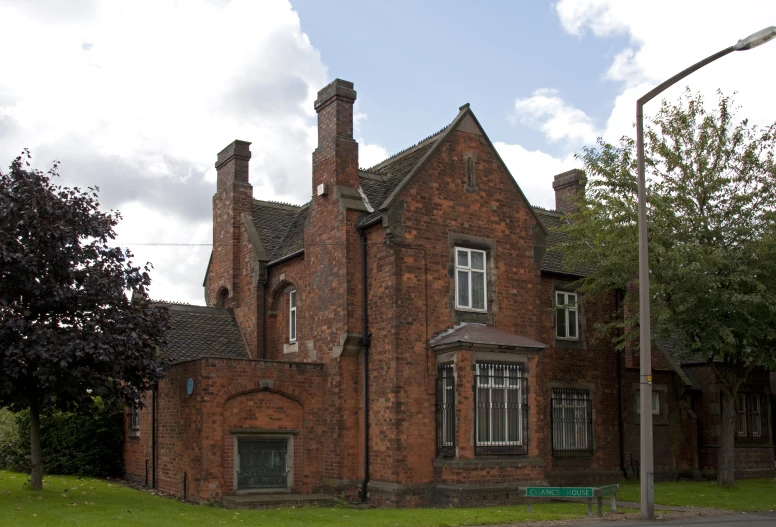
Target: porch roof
column 472, row 335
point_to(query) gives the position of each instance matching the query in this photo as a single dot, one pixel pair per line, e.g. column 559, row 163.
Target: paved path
column 756, row 519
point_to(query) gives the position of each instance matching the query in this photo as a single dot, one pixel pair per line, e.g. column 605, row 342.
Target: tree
column 712, row 241
column 68, row 331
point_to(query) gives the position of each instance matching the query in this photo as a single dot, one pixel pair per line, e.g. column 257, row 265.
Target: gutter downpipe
column 620, row 422
column 153, row 437
column 366, row 340
column 262, row 309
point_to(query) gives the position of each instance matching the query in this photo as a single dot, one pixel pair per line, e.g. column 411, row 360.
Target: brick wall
column 196, row 432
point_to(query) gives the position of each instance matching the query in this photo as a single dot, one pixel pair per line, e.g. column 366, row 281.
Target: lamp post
column 647, row 462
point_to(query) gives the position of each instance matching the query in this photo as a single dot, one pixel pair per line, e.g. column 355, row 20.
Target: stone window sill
column 292, row 347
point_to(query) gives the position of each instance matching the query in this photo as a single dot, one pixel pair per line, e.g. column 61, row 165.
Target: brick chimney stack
column 233, row 197
column 335, row 161
column 567, row 186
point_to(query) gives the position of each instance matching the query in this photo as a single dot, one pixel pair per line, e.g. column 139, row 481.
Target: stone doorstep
column 265, row 501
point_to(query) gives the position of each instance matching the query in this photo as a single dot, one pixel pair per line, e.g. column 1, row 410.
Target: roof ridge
column 278, row 204
column 406, row 150
column 551, row 211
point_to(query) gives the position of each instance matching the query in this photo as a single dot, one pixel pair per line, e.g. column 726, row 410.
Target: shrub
column 9, row 437
column 84, row 443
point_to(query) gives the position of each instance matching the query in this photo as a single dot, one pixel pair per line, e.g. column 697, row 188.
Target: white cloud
column 138, row 97
column 667, row 36
column 534, row 171
column 559, row 121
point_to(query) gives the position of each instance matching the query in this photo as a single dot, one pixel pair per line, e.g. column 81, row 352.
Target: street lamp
column 647, row 462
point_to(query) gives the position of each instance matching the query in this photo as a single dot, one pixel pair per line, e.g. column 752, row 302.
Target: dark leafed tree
column 712, row 241
column 68, row 331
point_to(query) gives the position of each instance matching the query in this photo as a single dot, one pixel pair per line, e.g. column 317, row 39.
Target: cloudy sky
column 137, row 97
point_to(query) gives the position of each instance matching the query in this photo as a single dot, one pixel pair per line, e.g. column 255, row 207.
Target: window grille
column 445, row 411
column 572, row 423
column 752, row 416
column 501, row 410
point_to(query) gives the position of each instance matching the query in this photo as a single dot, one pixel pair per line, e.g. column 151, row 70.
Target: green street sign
column 608, row 490
column 559, row 492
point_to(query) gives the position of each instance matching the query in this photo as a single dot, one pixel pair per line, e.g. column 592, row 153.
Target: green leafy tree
column 68, row 332
column 712, row 241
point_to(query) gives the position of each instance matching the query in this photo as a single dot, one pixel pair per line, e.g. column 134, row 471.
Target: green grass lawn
column 747, row 495
column 67, row 501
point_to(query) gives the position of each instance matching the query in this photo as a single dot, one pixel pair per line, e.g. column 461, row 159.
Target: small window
column 752, row 423
column 566, row 327
column 655, row 402
column 471, row 178
column 470, row 279
column 292, row 316
column 572, row 423
column 134, row 422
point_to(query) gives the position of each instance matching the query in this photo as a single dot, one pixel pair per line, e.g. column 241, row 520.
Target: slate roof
column 469, row 334
column 381, row 180
column 552, row 261
column 197, row 332
column 280, row 227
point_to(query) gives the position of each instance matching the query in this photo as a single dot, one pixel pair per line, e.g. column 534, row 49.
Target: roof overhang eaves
column 285, row 258
column 484, row 346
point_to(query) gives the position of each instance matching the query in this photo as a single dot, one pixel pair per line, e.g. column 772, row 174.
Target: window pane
column 478, row 260
column 293, row 325
column 561, row 326
column 571, row 300
column 293, row 298
column 478, row 290
column 463, row 258
column 463, row 288
column 499, row 415
column 572, row 323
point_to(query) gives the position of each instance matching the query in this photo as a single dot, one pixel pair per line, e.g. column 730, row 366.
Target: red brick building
column 406, row 332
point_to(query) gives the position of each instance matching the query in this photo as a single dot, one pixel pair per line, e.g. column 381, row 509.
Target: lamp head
column 756, row 39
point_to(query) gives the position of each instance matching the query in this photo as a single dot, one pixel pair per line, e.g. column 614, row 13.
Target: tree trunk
column 726, row 456
column 36, row 453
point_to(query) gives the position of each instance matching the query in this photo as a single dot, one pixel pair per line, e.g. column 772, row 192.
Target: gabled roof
column 404, row 166
column 198, row 332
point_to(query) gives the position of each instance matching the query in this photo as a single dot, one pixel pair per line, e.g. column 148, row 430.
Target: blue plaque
column 190, row 386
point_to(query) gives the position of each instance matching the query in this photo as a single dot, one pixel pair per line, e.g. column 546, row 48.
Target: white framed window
column 134, row 421
column 572, row 422
column 470, row 279
column 567, row 323
column 292, row 316
column 499, row 407
column 655, row 402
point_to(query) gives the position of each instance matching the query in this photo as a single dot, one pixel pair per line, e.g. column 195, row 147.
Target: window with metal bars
column 752, row 423
column 501, row 410
column 445, row 411
column 572, row 422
